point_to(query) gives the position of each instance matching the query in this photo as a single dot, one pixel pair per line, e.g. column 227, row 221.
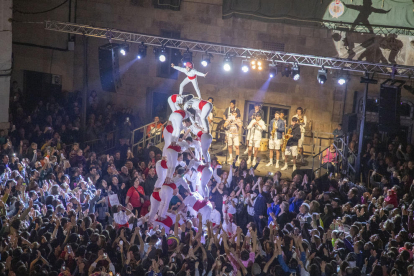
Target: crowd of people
column 67, row 211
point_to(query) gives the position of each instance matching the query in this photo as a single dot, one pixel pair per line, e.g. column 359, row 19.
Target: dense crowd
column 67, row 211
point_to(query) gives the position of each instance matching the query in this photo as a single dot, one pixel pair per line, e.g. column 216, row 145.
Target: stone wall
column 197, row 20
column 5, row 60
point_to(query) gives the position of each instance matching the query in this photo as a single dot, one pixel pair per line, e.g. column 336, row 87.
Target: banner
column 357, row 15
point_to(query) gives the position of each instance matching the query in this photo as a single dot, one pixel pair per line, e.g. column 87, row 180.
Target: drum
column 264, row 144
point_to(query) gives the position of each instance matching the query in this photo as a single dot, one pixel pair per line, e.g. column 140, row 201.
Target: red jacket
column 392, row 199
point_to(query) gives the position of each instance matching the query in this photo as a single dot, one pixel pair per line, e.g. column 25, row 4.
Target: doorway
column 269, row 113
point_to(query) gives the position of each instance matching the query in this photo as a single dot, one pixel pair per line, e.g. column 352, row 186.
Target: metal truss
column 225, row 50
column 378, row 30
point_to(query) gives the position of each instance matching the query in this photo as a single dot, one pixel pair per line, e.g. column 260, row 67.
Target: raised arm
column 178, row 68
column 216, row 177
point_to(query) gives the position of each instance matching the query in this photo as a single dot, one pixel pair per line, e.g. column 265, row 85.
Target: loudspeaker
column 109, row 67
column 349, row 122
column 388, row 109
column 302, row 172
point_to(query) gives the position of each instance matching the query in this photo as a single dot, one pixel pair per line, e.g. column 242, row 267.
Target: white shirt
column 305, row 121
column 215, row 217
column 256, row 130
column 121, row 217
column 231, row 209
column 250, row 210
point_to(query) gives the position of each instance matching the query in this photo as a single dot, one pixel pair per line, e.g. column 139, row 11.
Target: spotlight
column 245, row 68
column 253, row 64
column 142, row 51
column 124, row 49
column 286, row 71
column 322, row 75
column 227, row 63
column 272, row 72
column 295, row 71
column 342, row 78
column 206, row 59
column 161, row 54
column 187, row 57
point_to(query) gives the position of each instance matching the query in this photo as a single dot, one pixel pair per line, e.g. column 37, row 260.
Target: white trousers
column 206, row 140
column 167, row 140
column 172, row 161
column 155, row 205
column 173, row 106
column 176, row 121
column 205, row 111
column 195, row 84
column 161, row 173
column 205, row 178
column 197, row 149
column 166, row 195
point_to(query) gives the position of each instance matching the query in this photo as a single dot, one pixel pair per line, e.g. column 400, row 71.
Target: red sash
column 119, row 226
column 164, row 164
column 176, row 148
column 202, row 103
column 167, row 222
column 174, row 98
column 169, row 128
column 181, row 112
column 156, row 196
column 192, row 78
column 201, row 168
column 199, row 134
column 171, row 185
column 199, row 204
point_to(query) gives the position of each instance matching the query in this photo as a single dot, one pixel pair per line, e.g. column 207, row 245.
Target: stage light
column 124, row 49
column 227, row 64
column 245, row 68
column 342, row 78
column 286, row 71
column 322, row 75
column 142, row 51
column 295, row 71
column 272, row 72
column 206, row 59
column 187, row 57
column 161, row 54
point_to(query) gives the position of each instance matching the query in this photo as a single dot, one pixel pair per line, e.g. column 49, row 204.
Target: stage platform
column 216, row 150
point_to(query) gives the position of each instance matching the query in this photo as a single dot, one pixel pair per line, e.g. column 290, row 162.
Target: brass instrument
column 286, row 138
column 301, row 120
column 274, row 129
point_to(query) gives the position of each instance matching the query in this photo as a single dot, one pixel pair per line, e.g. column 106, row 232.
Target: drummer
column 256, row 128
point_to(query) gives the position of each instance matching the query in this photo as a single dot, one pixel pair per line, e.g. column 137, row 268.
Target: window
column 269, row 113
column 164, row 69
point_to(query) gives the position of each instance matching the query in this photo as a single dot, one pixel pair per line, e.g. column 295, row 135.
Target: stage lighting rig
column 142, row 51
column 322, row 75
column 124, row 49
column 227, row 63
column 286, row 71
column 161, row 53
column 295, row 71
column 187, row 57
column 342, row 78
column 206, row 59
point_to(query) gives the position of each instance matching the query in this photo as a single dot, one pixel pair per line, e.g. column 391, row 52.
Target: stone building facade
column 199, row 20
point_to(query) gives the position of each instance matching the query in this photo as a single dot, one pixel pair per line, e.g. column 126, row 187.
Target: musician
column 228, row 112
column 233, row 125
column 292, row 143
column 252, row 116
column 256, row 127
column 276, row 130
column 302, row 120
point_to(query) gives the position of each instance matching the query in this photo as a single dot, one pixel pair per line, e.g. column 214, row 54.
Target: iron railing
column 140, row 137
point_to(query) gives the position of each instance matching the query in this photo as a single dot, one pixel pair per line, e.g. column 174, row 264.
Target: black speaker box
column 349, row 122
column 388, row 109
column 109, row 67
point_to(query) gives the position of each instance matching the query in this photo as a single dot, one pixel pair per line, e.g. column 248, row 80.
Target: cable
column 51, row 9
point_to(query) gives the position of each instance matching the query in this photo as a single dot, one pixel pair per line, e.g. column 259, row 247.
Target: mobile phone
column 121, row 242
column 105, row 255
column 24, row 183
column 63, row 268
column 173, row 259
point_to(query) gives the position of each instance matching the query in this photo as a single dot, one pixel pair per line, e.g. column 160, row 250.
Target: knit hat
column 306, row 205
